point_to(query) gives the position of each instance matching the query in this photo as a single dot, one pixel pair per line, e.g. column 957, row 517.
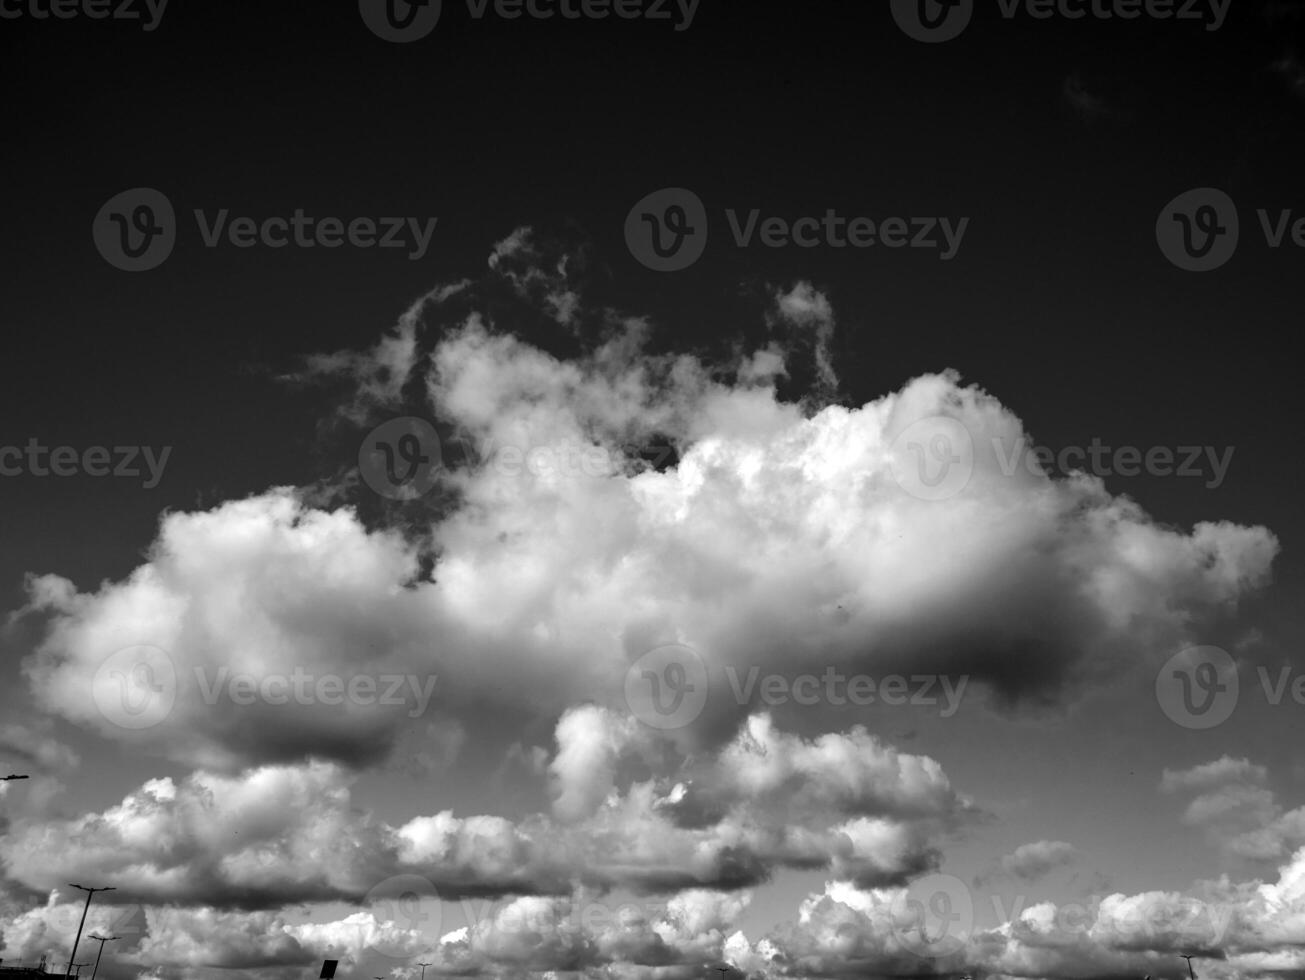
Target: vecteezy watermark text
column 1101, row 460
column 304, row 687
column 138, row 687
column 404, row 21
column 137, row 230
column 934, row 21
column 667, row 230
column 935, row 458
column 667, row 688
column 90, row 9
column 39, row 460
column 935, row 916
column 836, row 689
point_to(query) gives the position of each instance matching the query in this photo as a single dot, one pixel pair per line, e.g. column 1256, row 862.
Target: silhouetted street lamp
column 1189, row 963
column 423, row 969
column 90, row 893
column 101, row 940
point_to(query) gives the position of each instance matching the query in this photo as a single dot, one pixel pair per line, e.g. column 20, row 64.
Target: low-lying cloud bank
column 1252, row 929
column 282, row 835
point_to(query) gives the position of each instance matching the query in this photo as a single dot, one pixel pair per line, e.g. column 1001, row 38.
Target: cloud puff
column 1030, row 862
column 262, row 587
column 778, row 535
column 1238, row 813
column 1213, row 775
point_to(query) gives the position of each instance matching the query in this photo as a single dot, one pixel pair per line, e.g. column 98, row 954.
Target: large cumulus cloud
column 778, row 534
column 601, row 497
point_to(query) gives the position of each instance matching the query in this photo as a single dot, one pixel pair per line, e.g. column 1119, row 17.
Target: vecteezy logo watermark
column 1185, row 921
column 933, row 916
column 96, row 461
column 401, row 459
column 836, row 689
column 1198, row 687
column 941, row 20
column 1199, row 230
column 402, row 21
column 137, row 230
column 409, row 904
column 135, row 687
column 667, row 687
column 667, row 231
column 138, row 687
column 933, row 458
column 932, row 20
column 90, row 9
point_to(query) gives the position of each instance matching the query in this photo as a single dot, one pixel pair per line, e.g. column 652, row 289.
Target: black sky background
column 1059, row 303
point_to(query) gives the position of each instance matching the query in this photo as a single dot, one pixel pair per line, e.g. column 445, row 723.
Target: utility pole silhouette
column 1189, row 963
column 90, row 893
column 101, row 940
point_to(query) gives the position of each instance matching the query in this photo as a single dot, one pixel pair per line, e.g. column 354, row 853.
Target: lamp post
column 1189, row 959
column 90, row 893
column 101, row 940
column 423, row 969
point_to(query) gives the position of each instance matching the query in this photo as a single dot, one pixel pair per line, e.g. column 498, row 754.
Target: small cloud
column 1030, row 862
column 1212, row 775
column 1083, row 101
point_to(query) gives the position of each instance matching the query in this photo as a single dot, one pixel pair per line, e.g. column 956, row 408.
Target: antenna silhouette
column 1189, row 959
